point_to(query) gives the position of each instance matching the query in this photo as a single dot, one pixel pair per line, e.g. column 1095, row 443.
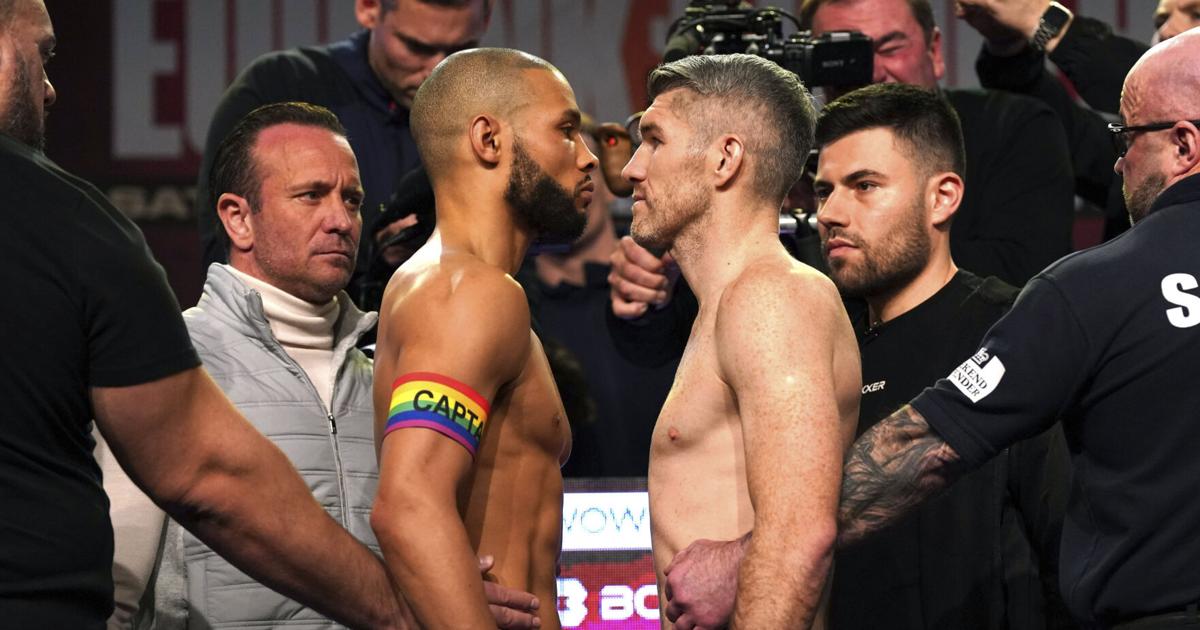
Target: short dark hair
column 755, row 95
column 922, row 11
column 390, row 5
column 235, row 169
column 922, row 119
column 465, row 84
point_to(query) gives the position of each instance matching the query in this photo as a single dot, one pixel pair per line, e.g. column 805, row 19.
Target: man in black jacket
column 888, row 188
column 368, row 81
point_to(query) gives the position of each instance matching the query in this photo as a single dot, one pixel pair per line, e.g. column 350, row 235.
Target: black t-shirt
column 87, row 307
column 1108, row 340
column 970, row 557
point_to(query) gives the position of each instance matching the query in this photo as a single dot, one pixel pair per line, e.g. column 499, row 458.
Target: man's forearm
column 265, row 520
column 184, row 444
column 890, row 469
column 430, row 558
column 782, row 578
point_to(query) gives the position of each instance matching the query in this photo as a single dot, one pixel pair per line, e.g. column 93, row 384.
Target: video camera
column 836, row 58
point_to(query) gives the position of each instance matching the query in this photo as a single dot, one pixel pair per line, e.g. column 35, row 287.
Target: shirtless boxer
column 765, row 400
column 470, row 429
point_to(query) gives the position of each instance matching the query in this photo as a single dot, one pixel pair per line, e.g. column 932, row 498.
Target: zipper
column 300, row 374
column 341, row 478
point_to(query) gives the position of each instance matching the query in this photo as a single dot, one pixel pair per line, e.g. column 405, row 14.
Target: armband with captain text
column 431, row 401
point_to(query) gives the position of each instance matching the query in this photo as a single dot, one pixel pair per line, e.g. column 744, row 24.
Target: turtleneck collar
column 294, row 322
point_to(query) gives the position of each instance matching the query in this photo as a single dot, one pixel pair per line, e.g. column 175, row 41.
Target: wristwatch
column 1051, row 24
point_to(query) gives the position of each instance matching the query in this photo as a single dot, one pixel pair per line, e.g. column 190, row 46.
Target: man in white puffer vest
column 277, row 332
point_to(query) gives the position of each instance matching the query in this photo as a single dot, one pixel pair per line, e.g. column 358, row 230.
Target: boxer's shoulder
column 783, row 287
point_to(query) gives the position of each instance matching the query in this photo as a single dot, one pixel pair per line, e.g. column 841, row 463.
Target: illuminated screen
column 606, row 577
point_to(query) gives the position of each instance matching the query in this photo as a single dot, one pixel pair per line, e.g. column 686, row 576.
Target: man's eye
column 866, row 186
column 419, row 49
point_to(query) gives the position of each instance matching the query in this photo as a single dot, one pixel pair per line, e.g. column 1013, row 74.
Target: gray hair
column 766, row 104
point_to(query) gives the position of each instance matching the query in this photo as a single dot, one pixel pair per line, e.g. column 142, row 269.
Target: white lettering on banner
column 140, row 58
column 619, row 602
column 572, row 602
column 977, row 378
column 877, row 386
column 137, row 59
column 606, row 520
column 1187, row 310
column 596, row 43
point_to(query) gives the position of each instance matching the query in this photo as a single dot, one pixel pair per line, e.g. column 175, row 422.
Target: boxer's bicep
column 782, row 375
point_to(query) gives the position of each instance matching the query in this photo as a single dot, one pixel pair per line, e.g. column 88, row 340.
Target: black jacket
column 1095, row 61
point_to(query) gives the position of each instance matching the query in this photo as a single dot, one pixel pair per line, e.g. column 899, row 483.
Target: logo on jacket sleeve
column 978, row 376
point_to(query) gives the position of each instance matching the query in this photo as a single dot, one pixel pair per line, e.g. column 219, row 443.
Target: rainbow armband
column 432, row 401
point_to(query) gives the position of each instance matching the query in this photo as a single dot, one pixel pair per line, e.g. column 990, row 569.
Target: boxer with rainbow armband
column 468, row 422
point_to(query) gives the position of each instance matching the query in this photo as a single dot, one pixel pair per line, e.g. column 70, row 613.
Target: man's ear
column 731, row 159
column 935, row 54
column 235, row 214
column 486, row 139
column 1185, row 144
column 944, row 193
column 368, row 12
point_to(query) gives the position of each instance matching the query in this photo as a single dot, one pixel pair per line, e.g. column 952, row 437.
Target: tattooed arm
column 892, row 468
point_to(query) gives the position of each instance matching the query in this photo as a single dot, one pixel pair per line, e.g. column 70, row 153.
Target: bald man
column 470, row 429
column 1119, row 367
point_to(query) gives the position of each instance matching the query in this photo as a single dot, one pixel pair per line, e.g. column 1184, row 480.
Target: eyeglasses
column 1122, row 137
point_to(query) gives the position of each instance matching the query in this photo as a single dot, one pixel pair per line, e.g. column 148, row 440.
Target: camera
column 712, row 27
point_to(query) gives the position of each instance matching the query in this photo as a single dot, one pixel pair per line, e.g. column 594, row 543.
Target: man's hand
column 395, row 254
column 512, row 609
column 701, row 583
column 639, row 279
column 1005, row 24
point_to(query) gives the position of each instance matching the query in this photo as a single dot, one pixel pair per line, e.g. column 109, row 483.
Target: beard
column 542, row 205
column 1139, row 198
column 887, row 265
column 21, row 120
column 679, row 204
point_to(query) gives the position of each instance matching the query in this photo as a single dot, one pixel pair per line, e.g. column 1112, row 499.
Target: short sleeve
column 1024, row 375
column 132, row 321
